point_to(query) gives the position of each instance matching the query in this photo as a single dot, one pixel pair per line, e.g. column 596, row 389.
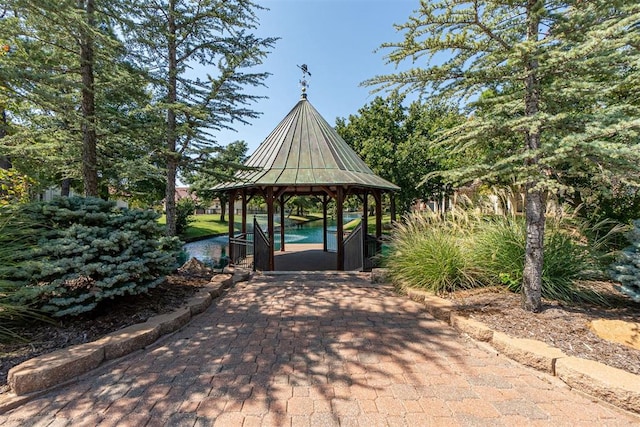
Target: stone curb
column 34, row 376
column 612, row 385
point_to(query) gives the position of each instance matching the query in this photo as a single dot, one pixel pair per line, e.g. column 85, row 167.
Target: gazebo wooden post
column 270, row 225
column 244, row 212
column 232, row 200
column 365, row 222
column 340, row 228
column 378, row 196
column 392, row 196
column 365, row 210
column 324, row 222
column 282, row 223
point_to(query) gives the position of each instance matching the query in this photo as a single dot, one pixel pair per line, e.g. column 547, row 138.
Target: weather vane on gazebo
column 304, row 82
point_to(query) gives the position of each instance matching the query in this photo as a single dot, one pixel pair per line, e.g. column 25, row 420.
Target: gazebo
column 304, row 156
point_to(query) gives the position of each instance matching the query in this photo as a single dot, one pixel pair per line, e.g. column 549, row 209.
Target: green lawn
column 204, row 225
column 210, row 224
column 371, row 226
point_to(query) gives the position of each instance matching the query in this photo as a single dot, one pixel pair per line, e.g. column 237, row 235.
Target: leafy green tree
column 173, row 36
column 214, row 166
column 562, row 73
column 394, row 141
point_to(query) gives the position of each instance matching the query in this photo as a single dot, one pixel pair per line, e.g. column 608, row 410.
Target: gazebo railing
column 241, row 246
column 353, row 255
column 261, row 248
column 361, row 250
column 372, row 247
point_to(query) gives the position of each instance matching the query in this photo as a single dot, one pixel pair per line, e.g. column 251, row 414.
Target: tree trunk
column 65, row 187
column 172, row 156
column 89, row 156
column 5, row 162
column 223, row 207
column 535, row 197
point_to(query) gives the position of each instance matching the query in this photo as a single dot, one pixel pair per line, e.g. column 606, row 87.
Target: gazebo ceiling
column 305, row 151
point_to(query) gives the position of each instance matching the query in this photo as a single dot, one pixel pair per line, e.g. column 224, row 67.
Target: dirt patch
column 560, row 325
column 110, row 316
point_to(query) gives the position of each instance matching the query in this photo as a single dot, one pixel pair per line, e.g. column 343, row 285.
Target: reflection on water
column 309, row 232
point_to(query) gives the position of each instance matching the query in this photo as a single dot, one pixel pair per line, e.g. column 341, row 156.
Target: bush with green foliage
column 184, row 211
column 88, row 251
column 465, row 250
column 626, row 269
column 499, row 248
column 429, row 254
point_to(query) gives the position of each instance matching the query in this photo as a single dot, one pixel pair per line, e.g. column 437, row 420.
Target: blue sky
column 336, row 39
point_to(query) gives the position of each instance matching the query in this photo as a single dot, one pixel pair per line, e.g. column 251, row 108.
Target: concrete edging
column 41, row 373
column 612, row 385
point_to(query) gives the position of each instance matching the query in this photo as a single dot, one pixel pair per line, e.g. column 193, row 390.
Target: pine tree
column 563, row 100
column 63, row 75
column 173, row 36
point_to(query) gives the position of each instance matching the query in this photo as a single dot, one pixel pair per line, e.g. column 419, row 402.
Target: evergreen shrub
column 626, row 269
column 88, row 251
column 184, row 211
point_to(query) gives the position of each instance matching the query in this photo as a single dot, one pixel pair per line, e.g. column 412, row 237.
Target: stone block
column 54, row 368
column 241, row 275
column 199, row 302
column 170, row 322
column 128, row 340
column 379, row 275
column 471, row 327
column 417, row 295
column 439, row 308
column 619, row 331
column 214, row 289
column 612, row 385
column 224, row 280
column 533, row 353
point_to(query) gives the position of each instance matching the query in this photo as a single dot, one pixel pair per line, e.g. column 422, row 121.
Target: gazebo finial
column 304, row 83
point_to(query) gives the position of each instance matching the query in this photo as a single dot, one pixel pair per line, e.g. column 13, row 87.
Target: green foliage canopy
column 396, row 142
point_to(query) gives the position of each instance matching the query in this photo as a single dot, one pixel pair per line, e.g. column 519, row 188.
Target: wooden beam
column 340, row 229
column 270, row 226
column 329, row 191
column 244, row 211
column 232, row 200
column 393, row 206
column 325, row 202
column 378, row 196
column 364, row 224
column 279, row 192
column 282, row 223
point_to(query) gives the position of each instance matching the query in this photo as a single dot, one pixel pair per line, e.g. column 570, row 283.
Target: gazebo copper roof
column 304, row 150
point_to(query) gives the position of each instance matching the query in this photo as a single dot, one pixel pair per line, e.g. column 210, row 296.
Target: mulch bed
column 560, row 325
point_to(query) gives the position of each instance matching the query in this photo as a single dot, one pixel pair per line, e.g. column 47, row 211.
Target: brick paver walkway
column 291, row 350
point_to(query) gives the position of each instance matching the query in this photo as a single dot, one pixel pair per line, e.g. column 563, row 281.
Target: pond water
column 309, row 232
